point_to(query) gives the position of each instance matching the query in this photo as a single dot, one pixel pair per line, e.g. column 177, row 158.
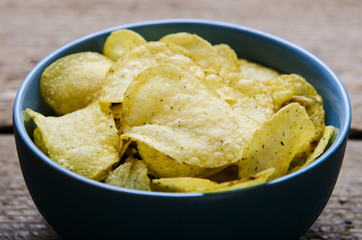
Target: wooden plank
column 29, row 30
column 19, row 219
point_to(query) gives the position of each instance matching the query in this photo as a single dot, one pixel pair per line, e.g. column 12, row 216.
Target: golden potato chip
column 189, row 184
column 294, row 88
column 174, row 112
column 182, row 184
column 221, row 86
column 319, row 150
column 121, row 41
column 253, row 97
column 248, row 96
column 74, row 81
column 161, row 165
column 85, row 141
column 256, row 71
column 276, row 142
column 139, row 59
column 229, row 59
column 203, row 52
column 131, row 174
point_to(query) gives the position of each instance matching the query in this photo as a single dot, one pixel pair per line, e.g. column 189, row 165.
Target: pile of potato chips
column 177, row 115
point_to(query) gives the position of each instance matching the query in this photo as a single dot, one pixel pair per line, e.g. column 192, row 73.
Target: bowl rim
column 20, row 128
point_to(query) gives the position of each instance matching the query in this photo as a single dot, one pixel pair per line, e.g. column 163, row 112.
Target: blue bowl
column 79, row 208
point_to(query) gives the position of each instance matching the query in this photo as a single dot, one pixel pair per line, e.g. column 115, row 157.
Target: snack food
column 74, row 81
column 180, row 114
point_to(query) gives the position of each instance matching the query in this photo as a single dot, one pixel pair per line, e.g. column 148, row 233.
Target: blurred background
column 31, row 29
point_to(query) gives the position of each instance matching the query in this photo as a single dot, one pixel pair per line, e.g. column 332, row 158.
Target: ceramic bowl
column 79, row 208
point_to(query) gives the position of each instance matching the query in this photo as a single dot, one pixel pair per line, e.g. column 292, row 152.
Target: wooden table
column 29, row 30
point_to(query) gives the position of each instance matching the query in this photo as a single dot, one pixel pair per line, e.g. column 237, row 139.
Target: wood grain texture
column 29, row 30
column 19, row 219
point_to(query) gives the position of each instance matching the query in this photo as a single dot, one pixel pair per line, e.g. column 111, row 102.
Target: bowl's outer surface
column 79, row 208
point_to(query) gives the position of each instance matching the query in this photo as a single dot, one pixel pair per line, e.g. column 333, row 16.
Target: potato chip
column 74, row 81
column 139, row 59
column 319, row 150
column 161, row 165
column 182, row 184
column 248, row 96
column 131, row 174
column 256, row 71
column 85, row 141
column 38, row 140
column 294, row 88
column 121, row 41
column 171, row 110
column 229, row 59
column 203, row 52
column 221, row 86
column 189, row 184
column 253, row 97
column 277, row 141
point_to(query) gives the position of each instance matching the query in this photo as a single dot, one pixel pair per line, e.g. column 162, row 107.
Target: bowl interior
column 248, row 43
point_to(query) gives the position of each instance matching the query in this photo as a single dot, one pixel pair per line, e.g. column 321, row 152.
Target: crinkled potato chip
column 203, row 52
column 161, row 165
column 189, row 184
column 121, row 41
column 74, row 81
column 277, row 141
column 85, row 141
column 171, row 110
column 289, row 88
column 229, row 59
column 139, row 59
column 256, row 71
column 131, row 174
